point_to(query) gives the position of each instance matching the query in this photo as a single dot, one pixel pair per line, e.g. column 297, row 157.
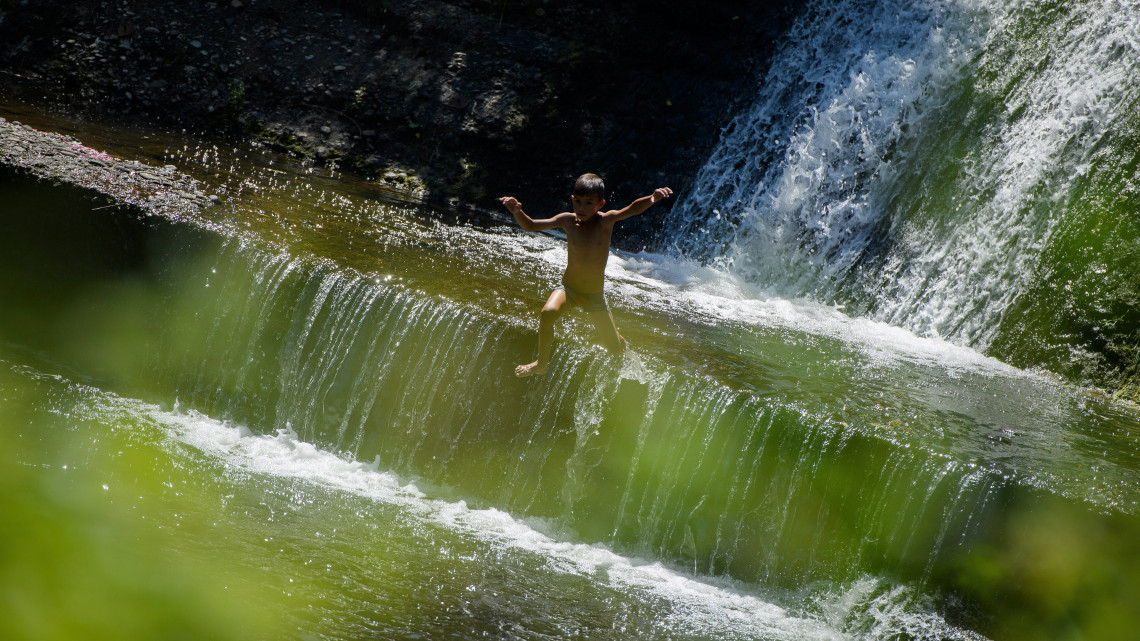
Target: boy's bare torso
column 587, row 251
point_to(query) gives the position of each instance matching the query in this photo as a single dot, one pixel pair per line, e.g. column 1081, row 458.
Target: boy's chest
column 589, row 237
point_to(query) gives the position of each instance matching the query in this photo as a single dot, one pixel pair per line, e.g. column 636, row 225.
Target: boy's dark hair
column 590, row 185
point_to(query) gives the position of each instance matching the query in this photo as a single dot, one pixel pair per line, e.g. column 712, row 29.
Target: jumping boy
column 588, row 231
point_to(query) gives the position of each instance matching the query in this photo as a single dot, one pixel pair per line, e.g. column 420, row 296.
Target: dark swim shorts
column 588, row 302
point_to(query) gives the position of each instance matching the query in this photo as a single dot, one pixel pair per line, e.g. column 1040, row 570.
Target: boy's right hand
column 511, row 203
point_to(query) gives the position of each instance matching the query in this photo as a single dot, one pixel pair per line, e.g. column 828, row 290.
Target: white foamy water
column 790, row 185
column 822, row 189
column 711, row 295
column 658, row 281
column 697, row 606
column 1064, row 89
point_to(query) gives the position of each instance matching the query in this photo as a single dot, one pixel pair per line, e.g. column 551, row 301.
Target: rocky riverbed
column 56, row 157
column 470, row 98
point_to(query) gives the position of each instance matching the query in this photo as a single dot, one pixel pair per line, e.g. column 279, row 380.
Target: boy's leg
column 546, row 319
column 603, row 322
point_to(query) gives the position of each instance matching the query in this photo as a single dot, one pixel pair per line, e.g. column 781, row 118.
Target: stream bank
column 464, row 99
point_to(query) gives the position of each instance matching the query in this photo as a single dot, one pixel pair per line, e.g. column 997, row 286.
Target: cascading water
column 919, row 162
column 933, row 165
column 790, row 180
column 837, row 476
column 354, row 366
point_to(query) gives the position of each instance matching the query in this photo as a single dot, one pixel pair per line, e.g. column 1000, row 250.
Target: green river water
column 294, row 414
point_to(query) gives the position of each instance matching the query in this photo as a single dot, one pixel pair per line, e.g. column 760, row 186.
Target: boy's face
column 586, row 206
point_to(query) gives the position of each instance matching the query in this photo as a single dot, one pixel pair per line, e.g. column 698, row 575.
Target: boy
column 588, row 231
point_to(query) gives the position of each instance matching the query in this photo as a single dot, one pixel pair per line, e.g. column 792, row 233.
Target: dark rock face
column 479, row 98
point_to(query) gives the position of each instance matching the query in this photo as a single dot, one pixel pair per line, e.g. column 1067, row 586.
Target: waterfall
column 633, row 453
column 783, row 458
column 916, row 160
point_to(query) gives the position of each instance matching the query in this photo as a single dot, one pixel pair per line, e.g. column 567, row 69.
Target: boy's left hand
column 661, row 194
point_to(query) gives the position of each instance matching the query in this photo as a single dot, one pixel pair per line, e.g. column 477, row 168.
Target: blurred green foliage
column 79, row 559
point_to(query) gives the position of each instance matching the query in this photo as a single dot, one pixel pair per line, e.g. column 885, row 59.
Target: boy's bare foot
column 530, row 369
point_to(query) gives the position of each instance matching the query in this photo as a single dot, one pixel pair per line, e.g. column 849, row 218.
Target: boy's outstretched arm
column 526, row 222
column 639, row 205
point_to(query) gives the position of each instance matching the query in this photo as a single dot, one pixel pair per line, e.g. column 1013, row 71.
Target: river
column 294, row 415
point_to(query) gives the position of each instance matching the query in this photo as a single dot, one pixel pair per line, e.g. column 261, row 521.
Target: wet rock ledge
column 53, row 157
column 476, row 98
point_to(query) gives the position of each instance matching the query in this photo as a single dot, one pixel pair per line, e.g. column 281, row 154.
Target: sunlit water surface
column 148, row 488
